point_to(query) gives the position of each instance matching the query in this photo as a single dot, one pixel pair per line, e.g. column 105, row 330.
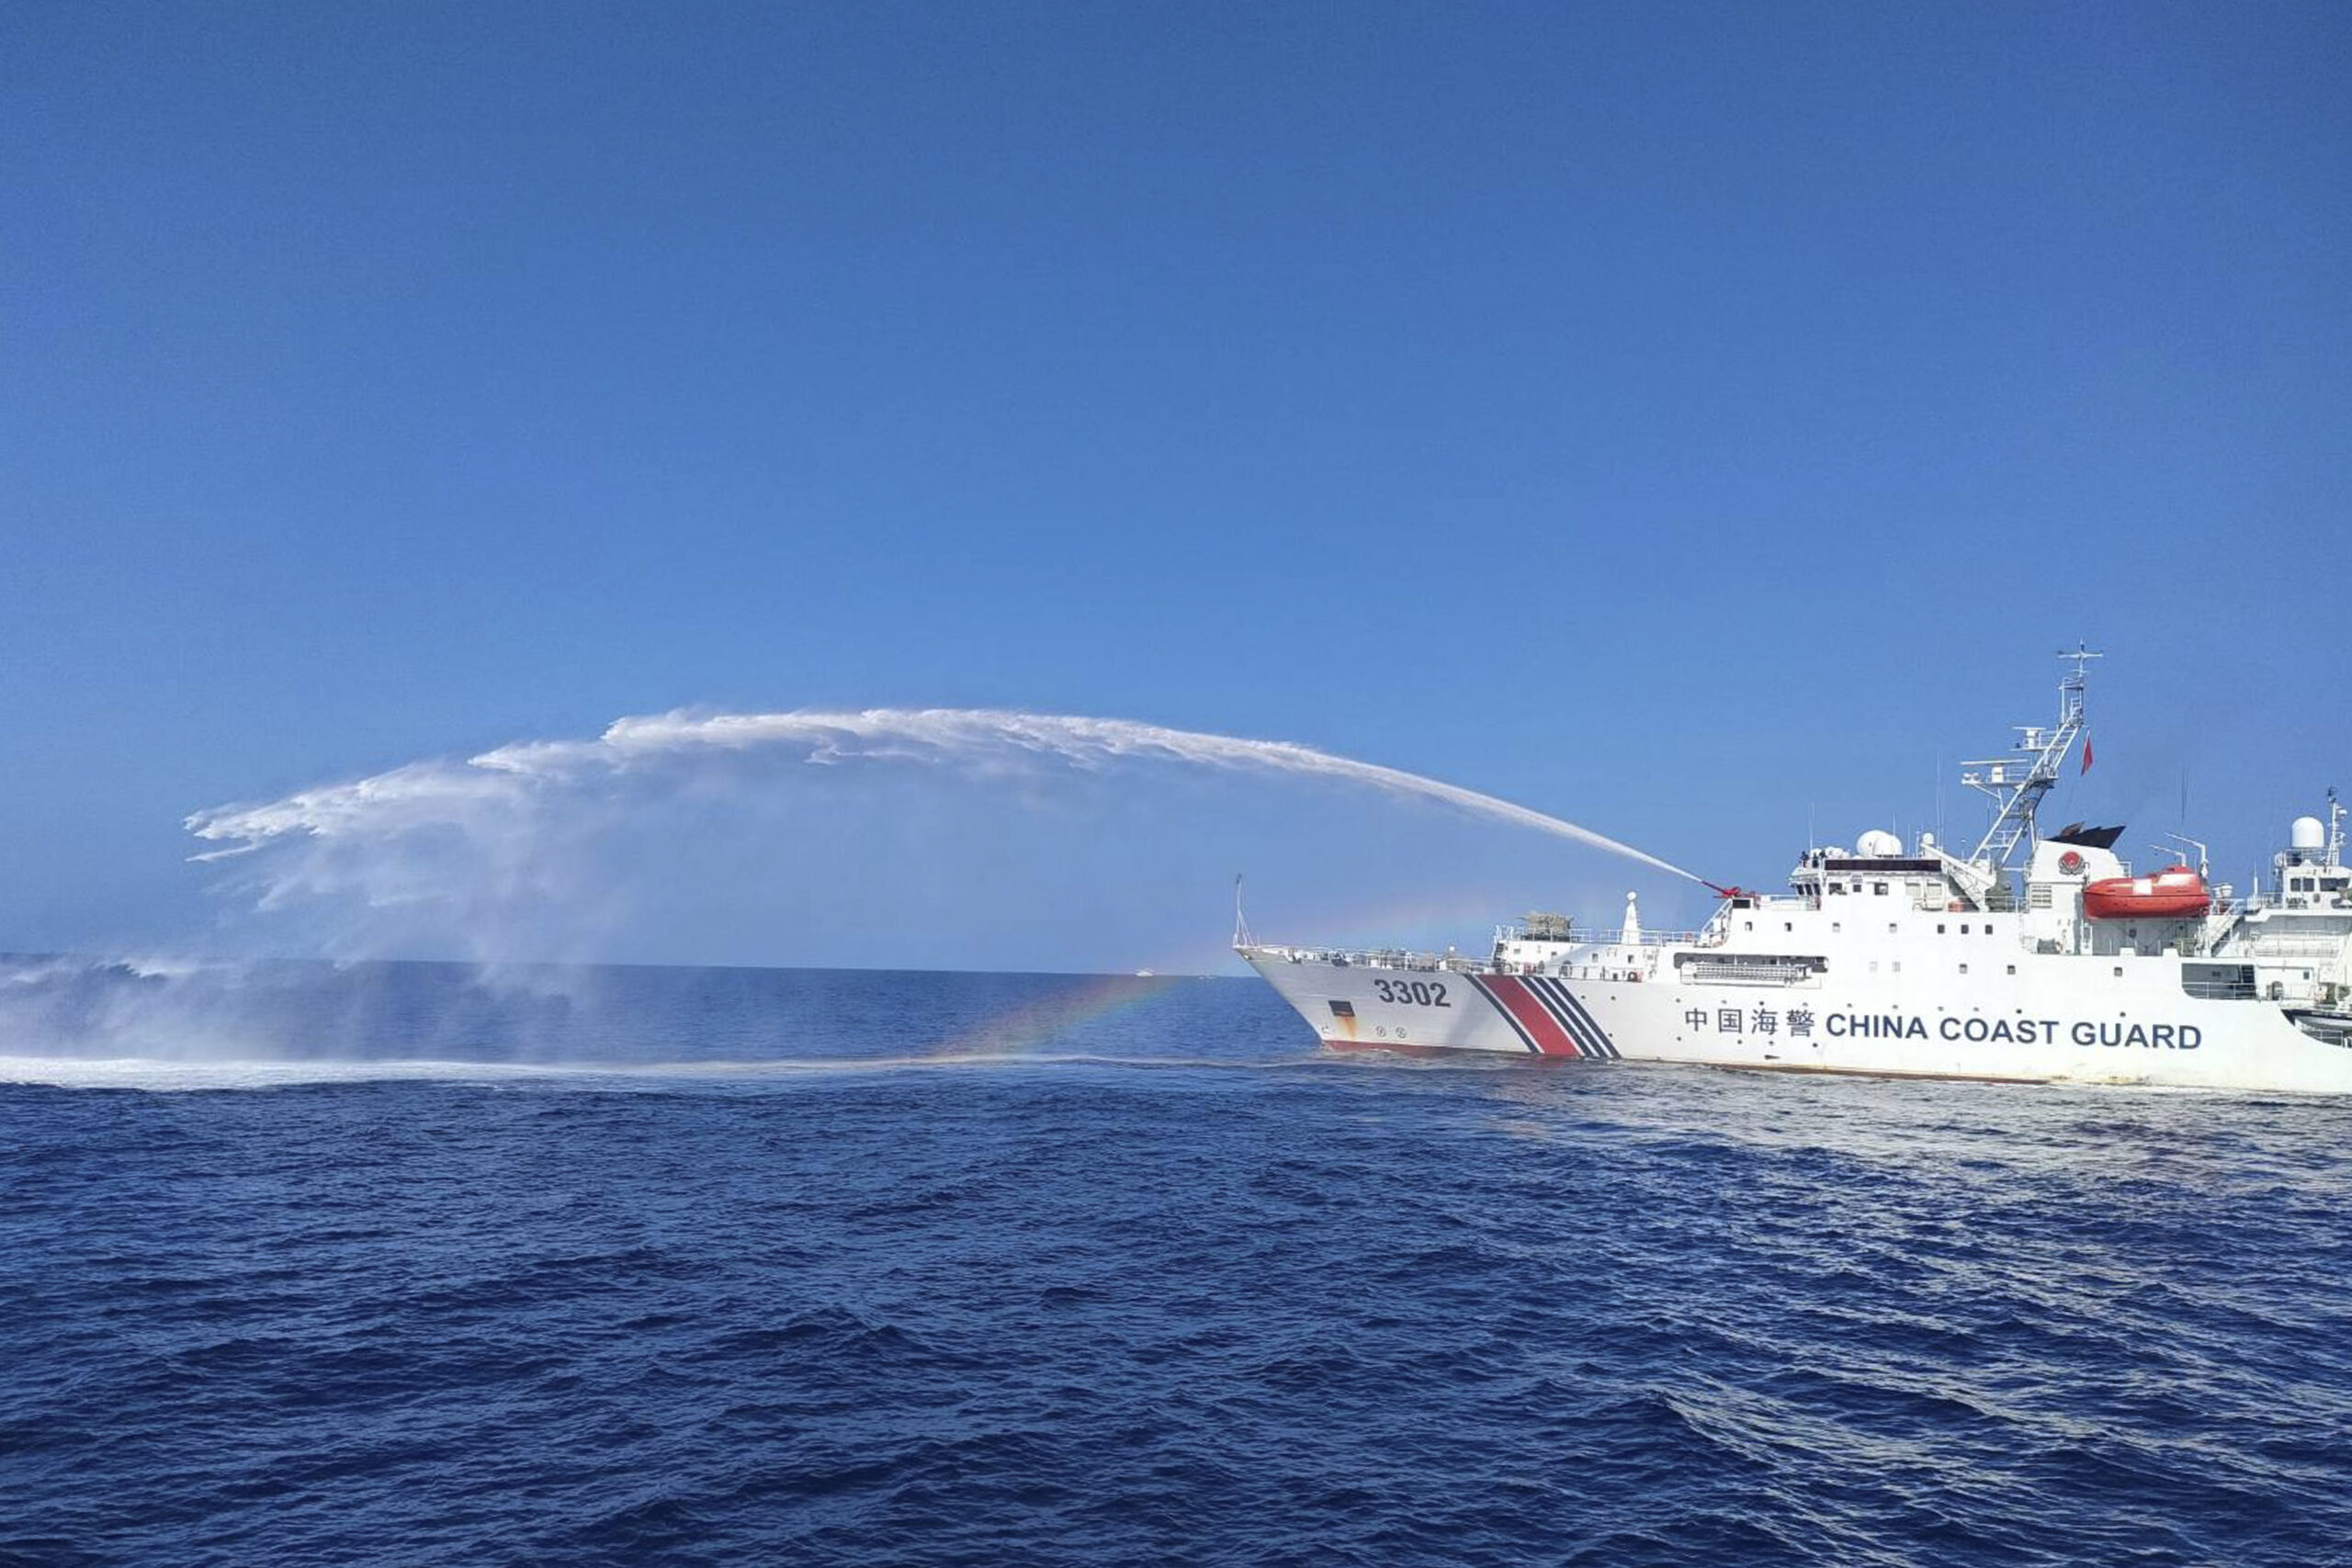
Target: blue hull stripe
column 1591, row 1023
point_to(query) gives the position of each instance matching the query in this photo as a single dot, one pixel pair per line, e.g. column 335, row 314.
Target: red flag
column 2086, row 753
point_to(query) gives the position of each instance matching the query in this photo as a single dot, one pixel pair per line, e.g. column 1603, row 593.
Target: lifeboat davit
column 2168, row 895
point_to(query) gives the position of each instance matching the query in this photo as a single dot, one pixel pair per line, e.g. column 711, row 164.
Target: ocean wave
column 1164, row 1286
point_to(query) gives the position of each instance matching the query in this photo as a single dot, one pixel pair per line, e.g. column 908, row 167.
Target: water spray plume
column 504, row 781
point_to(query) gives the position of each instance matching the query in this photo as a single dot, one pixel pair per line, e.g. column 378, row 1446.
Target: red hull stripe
column 1485, row 985
column 1535, row 1022
column 1508, row 1021
column 1495, row 1002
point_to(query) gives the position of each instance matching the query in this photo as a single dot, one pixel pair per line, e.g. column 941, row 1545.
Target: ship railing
column 1462, row 963
column 2281, row 944
column 1376, row 958
column 2220, row 990
column 1583, row 937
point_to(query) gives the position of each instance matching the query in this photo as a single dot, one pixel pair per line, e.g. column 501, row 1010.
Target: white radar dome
column 2305, row 833
column 1878, row 844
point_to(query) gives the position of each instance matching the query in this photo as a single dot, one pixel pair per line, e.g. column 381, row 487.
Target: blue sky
column 1679, row 418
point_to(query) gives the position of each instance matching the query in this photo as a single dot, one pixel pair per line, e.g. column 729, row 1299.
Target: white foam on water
column 165, row 1076
column 162, row 1075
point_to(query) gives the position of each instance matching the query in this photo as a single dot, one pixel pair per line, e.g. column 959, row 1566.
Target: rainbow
column 1041, row 1020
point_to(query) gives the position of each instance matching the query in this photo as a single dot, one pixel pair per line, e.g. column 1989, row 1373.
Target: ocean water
column 405, row 1264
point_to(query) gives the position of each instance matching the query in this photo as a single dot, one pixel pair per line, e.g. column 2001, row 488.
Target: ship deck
column 1405, row 959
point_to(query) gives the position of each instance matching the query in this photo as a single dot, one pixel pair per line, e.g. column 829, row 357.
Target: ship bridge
column 1879, row 867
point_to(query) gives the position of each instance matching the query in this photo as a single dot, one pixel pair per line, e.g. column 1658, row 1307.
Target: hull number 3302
column 1421, row 993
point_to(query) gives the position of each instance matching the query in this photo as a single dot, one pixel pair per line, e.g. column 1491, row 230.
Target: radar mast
column 2018, row 785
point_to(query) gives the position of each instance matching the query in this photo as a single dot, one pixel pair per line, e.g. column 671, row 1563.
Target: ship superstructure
column 2030, row 957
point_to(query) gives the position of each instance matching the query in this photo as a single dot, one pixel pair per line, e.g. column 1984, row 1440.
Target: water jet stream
column 426, row 793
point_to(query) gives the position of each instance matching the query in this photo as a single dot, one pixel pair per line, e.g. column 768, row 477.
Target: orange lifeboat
column 2168, row 895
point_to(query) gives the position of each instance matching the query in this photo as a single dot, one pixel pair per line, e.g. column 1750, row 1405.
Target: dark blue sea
column 421, row 1264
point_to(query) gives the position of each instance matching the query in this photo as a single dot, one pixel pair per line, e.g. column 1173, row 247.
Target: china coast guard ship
column 2030, row 958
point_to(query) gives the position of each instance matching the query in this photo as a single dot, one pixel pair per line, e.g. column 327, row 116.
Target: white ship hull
column 1914, row 963
column 2054, row 1021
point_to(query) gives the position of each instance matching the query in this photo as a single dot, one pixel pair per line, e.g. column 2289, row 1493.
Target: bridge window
column 1877, row 889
